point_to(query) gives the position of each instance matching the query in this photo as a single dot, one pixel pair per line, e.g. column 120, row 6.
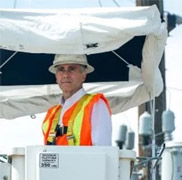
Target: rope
column 115, row 2
column 8, row 59
column 100, row 3
column 120, row 58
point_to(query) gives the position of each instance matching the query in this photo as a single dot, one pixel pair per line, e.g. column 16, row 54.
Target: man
column 80, row 118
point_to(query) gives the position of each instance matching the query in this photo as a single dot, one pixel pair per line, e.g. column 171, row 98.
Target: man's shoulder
column 57, row 106
column 97, row 95
column 101, row 101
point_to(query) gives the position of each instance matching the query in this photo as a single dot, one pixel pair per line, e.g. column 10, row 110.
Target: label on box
column 49, row 160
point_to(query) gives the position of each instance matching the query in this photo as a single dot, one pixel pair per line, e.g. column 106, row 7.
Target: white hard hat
column 70, row 59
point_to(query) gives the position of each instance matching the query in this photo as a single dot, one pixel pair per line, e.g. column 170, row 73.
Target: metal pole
column 159, row 104
column 153, row 169
column 15, row 3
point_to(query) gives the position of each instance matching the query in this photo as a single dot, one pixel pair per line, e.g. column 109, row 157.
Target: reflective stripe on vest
column 50, row 123
column 77, row 122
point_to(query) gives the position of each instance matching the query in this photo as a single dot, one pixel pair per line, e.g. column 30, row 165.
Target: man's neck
column 67, row 95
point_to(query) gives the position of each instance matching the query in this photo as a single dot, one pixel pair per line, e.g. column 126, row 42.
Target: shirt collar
column 75, row 97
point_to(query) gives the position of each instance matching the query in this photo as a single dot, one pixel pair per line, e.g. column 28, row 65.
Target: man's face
column 70, row 78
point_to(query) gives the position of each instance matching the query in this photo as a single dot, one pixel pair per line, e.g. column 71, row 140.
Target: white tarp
column 73, row 31
column 65, row 31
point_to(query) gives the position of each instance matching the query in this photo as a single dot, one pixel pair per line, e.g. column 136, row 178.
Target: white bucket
column 126, row 163
column 172, row 161
column 5, row 171
column 17, row 165
column 102, row 162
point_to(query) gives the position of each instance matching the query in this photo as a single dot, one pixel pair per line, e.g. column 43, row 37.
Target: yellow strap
column 77, row 127
column 47, row 122
column 52, row 133
column 70, row 136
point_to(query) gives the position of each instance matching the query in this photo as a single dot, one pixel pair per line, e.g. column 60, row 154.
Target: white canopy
column 76, row 31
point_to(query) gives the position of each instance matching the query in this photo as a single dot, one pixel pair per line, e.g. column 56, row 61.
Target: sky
column 173, row 55
column 63, row 4
column 13, row 136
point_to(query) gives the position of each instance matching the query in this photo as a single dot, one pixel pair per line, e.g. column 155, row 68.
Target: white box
column 71, row 163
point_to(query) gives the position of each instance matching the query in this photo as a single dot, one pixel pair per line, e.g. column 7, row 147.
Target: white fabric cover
column 45, row 31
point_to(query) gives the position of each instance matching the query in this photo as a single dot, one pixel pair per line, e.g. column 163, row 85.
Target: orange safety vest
column 76, row 118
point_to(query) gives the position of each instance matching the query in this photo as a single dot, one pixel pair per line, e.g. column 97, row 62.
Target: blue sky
column 62, row 3
column 173, row 55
